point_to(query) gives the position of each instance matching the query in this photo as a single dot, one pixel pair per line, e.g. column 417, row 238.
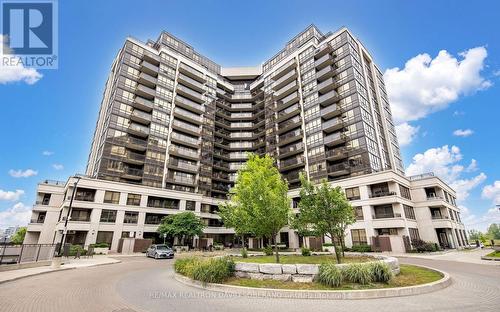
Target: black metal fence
column 15, row 254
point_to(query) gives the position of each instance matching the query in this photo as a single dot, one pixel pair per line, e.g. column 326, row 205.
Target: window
column 105, row 237
column 160, row 202
column 190, row 205
column 352, row 193
column 78, row 214
column 414, row 235
column 359, row 213
column 133, row 199
column 46, row 199
column 154, row 218
column 111, row 197
column 405, row 192
column 108, row 216
column 383, row 211
column 409, row 212
column 388, row 231
column 85, row 194
column 130, row 217
column 358, row 237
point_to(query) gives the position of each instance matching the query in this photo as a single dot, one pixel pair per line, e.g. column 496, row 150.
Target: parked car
column 160, row 252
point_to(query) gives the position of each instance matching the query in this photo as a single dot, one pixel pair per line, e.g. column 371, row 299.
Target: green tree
column 235, row 217
column 258, row 200
column 184, row 225
column 324, row 211
column 494, row 231
column 18, row 237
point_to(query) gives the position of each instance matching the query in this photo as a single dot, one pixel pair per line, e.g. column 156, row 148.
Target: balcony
column 143, row 104
column 183, row 166
column 291, row 150
column 147, row 80
column 184, row 152
column 382, row 194
column 181, row 180
column 292, row 163
column 335, row 139
column 145, row 92
column 339, row 169
column 288, row 112
column 185, row 127
column 189, row 105
column 191, row 72
column 134, row 158
column 288, row 100
column 151, row 58
column 184, row 139
column 328, row 98
column 134, row 143
column 140, row 116
column 286, row 90
column 290, row 137
column 132, row 174
column 289, row 124
column 285, row 79
column 188, row 116
column 323, row 61
column 322, row 50
column 331, row 111
column 149, row 68
column 193, row 95
column 284, row 69
column 191, row 83
column 336, row 154
column 292, row 177
column 325, row 86
column 333, row 125
column 138, row 130
column 325, row 73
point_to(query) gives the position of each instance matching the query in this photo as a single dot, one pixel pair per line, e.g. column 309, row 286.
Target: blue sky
column 435, row 96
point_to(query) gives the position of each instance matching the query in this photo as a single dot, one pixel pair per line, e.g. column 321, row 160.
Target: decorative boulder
column 310, row 269
column 246, row 267
column 302, row 278
column 270, row 268
column 289, row 269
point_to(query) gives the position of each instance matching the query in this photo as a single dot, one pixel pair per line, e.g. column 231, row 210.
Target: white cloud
column 426, row 85
column 481, row 222
column 58, row 166
column 19, row 214
column 496, row 73
column 11, row 195
column 445, row 163
column 492, row 192
column 47, row 153
column 458, row 113
column 22, row 173
column 463, row 132
column 17, row 72
column 406, row 133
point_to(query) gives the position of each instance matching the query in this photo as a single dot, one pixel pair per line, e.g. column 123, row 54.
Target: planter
column 101, row 251
column 56, row 263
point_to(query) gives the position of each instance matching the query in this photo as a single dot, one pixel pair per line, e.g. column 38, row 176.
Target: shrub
column 100, row 245
column 423, row 246
column 268, row 250
column 327, row 245
column 214, row 270
column 380, row 271
column 361, row 248
column 244, row 252
column 330, row 275
column 186, row 266
column 73, row 250
column 357, row 273
column 306, row 252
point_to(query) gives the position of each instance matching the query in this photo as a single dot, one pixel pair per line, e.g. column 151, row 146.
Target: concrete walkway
column 68, row 264
column 467, row 256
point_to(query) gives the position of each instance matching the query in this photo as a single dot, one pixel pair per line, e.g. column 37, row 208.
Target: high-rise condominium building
column 174, row 128
column 172, row 118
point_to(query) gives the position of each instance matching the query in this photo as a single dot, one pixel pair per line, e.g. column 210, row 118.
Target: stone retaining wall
column 301, row 273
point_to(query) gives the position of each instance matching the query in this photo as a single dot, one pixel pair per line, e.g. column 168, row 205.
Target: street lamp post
column 63, row 236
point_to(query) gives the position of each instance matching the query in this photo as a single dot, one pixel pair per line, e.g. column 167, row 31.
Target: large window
column 409, row 212
column 133, row 199
column 405, row 192
column 154, row 218
column 78, row 214
column 190, row 205
column 383, row 211
column 358, row 237
column 105, row 237
column 108, row 216
column 352, row 193
column 359, row 213
column 111, row 197
column 414, row 235
column 85, row 194
column 131, row 217
column 160, row 202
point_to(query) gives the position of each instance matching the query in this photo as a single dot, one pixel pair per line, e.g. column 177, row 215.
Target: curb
column 322, row 294
column 490, row 258
column 57, row 270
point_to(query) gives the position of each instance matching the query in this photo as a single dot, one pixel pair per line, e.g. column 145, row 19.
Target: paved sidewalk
column 468, row 256
column 68, row 264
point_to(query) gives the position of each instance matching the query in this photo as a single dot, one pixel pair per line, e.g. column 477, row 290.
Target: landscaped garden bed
column 314, row 259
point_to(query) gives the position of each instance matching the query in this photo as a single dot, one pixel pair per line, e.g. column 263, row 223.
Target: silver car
column 160, row 252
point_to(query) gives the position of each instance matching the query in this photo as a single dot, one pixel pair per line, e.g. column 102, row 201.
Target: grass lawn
column 293, row 259
column 410, row 275
column 495, row 254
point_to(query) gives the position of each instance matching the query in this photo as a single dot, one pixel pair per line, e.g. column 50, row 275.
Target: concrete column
column 293, row 239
